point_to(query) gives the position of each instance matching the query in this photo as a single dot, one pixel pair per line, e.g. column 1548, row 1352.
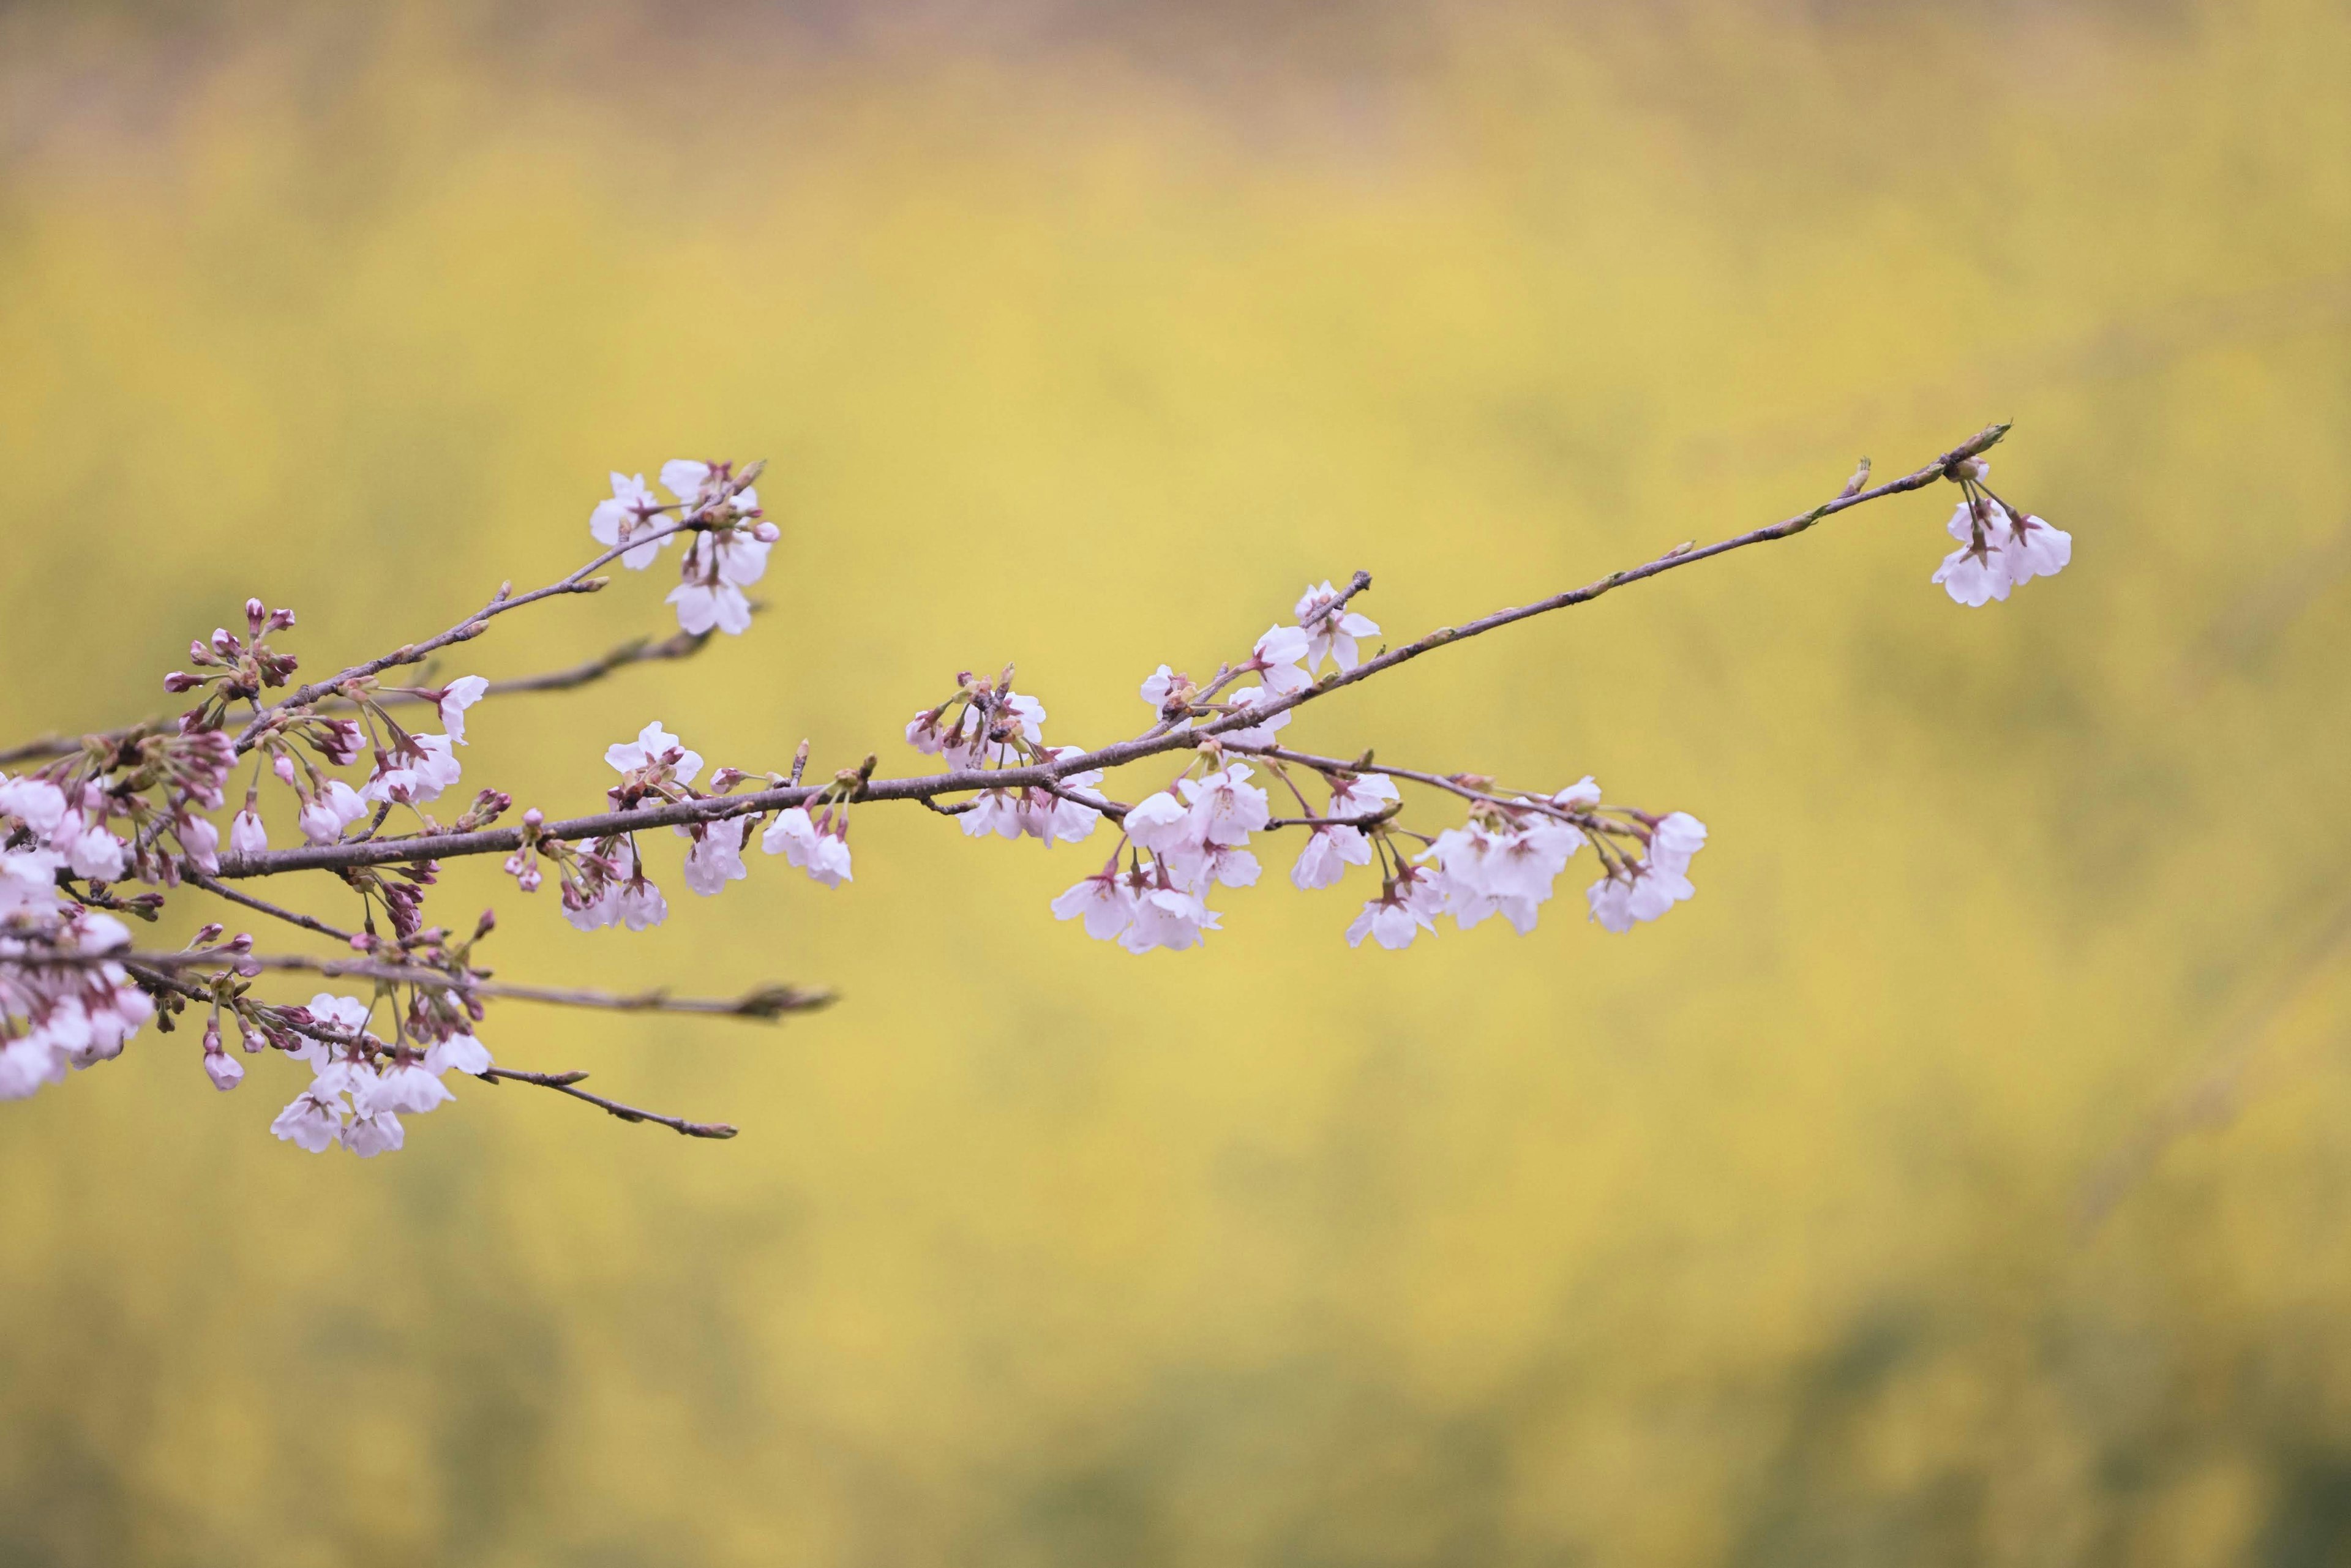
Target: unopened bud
column 532, row 817
column 486, row 925
column 766, row 533
column 256, row 615
column 206, row 933
column 181, row 681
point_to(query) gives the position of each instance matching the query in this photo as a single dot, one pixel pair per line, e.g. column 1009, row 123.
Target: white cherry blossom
column 716, row 858
column 35, row 802
column 1407, row 908
column 1259, row 733
column 247, row 836
column 411, row 780
column 1328, row 853
column 1169, row 917
column 1332, row 635
column 1280, row 660
column 456, row 698
column 1105, row 902
column 458, row 1053
column 711, row 606
column 654, row 747
column 325, row 816
column 820, row 850
column 633, row 510
column 1226, row 808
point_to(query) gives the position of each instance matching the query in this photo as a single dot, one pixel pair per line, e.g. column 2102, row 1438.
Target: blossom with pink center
column 1169, row 917
column 711, row 606
column 633, row 512
column 1408, row 905
column 1226, row 808
column 655, row 749
column 1104, row 901
column 1280, row 660
column 1329, row 634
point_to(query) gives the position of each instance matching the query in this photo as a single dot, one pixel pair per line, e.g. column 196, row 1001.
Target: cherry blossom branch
column 1947, row 466
column 567, row 1083
column 505, row 841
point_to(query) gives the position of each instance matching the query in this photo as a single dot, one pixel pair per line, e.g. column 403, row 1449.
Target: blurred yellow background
column 1083, row 337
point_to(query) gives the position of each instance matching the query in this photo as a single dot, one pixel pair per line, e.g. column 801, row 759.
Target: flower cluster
column 63, row 1003
column 1999, row 547
column 360, row 1087
column 727, row 547
column 605, row 883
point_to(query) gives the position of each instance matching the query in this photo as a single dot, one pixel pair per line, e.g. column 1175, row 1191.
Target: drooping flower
column 1406, row 906
column 705, row 606
column 408, row 1088
column 1161, row 824
column 1328, row 853
column 716, row 858
column 247, row 836
column 325, row 816
column 373, row 1133
column 821, row 849
column 458, row 1053
column 412, row 778
column 313, row 1120
column 456, row 698
column 1104, row 901
column 1169, row 917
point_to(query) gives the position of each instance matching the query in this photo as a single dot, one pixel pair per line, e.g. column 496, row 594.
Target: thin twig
column 635, row 651
column 567, row 1083
column 765, row 1004
column 291, row 916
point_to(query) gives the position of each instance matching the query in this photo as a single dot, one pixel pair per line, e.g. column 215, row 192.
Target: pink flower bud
column 766, row 533
column 181, row 681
